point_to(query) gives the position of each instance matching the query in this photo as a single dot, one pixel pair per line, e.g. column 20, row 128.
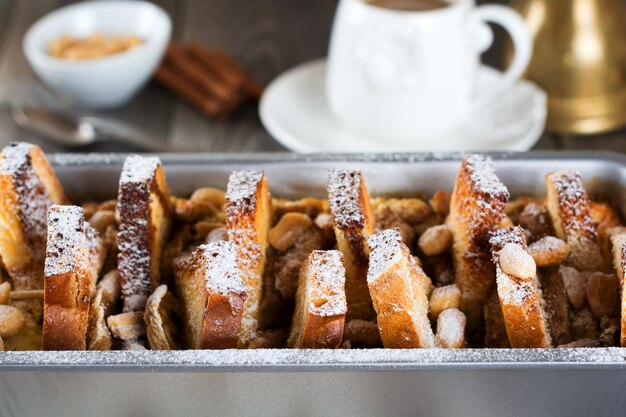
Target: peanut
column 515, row 261
column 602, row 294
column 209, row 195
column 109, row 205
column 410, row 210
column 127, row 326
column 102, row 219
column 443, row 298
column 440, row 202
column 574, row 283
column 549, row 251
column 5, row 293
column 202, row 229
column 451, row 329
column 11, row 321
column 435, row 240
column 161, row 308
column 217, row 234
column 286, row 232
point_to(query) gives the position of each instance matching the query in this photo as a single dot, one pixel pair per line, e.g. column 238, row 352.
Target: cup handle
column 513, row 23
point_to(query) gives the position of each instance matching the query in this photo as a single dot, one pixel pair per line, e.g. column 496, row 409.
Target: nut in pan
column 161, row 320
column 127, row 326
column 11, row 321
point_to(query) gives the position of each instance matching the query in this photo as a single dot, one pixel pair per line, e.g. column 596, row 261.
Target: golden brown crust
column 520, row 298
column 569, row 208
column 320, row 302
column 248, row 219
column 477, row 206
column 67, row 282
column 618, row 241
column 399, row 290
column 28, row 187
column 145, row 213
column 354, row 223
column 211, row 290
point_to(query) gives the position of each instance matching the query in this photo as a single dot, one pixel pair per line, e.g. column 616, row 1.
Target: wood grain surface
column 266, row 36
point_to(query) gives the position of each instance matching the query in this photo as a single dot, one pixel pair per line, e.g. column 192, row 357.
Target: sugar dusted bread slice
column 320, row 302
column 211, row 288
column 521, row 298
column 399, row 290
column 28, row 187
column 248, row 219
column 353, row 222
column 618, row 243
column 145, row 213
column 569, row 207
column 68, row 280
column 477, row 207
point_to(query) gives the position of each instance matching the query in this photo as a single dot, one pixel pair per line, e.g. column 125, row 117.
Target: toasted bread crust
column 618, row 241
column 68, row 280
column 353, row 223
column 209, row 283
column 569, row 207
column 521, row 299
column 477, row 206
column 399, row 290
column 248, row 219
column 321, row 305
column 28, row 187
column 145, row 213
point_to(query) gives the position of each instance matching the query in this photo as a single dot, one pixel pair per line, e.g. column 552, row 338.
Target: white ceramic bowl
column 108, row 81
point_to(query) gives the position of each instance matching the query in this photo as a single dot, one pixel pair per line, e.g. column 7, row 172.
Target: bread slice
column 248, row 219
column 618, row 241
column 354, row 223
column 477, row 206
column 28, row 187
column 521, row 299
column 145, row 214
column 210, row 286
column 399, row 290
column 569, row 207
column 67, row 282
column 320, row 302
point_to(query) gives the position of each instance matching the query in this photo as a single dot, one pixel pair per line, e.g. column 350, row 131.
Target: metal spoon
column 73, row 131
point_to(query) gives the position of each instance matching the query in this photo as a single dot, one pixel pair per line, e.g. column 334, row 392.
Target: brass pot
column 580, row 60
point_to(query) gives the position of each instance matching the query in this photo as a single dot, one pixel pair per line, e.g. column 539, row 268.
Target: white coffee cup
column 409, row 75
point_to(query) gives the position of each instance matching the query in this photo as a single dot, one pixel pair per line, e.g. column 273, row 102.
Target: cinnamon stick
column 219, row 62
column 183, row 87
column 181, row 61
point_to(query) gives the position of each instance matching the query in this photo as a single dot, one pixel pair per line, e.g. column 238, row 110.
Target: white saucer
column 294, row 110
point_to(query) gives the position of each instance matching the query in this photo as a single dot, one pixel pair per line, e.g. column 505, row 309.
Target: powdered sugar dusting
column 134, row 237
column 242, row 186
column 344, row 189
column 573, row 204
column 67, row 244
column 385, row 249
column 217, row 262
column 328, row 277
column 483, row 175
column 451, row 328
column 33, row 200
column 500, row 237
column 139, row 169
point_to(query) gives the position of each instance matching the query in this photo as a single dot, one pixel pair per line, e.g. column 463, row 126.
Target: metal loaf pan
column 488, row 382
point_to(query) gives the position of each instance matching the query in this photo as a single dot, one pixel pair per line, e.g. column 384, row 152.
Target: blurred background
column 266, row 37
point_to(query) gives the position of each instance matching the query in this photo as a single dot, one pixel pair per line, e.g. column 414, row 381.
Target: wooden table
column 266, row 36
